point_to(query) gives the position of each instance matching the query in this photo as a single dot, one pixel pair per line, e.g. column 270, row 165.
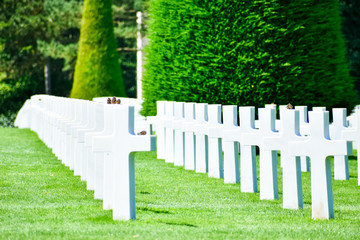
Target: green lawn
column 41, row 199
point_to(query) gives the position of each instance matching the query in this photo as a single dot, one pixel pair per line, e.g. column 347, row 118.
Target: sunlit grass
column 41, row 199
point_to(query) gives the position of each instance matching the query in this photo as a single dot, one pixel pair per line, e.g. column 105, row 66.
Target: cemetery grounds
column 40, row 198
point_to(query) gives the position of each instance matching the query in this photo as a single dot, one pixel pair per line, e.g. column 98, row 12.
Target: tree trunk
column 47, row 78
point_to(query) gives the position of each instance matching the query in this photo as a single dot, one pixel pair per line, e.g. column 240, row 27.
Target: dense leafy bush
column 13, row 93
column 247, row 53
column 97, row 70
column 350, row 12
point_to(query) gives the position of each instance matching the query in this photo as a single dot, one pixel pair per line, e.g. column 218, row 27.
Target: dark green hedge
column 247, row 53
column 350, row 12
column 97, row 71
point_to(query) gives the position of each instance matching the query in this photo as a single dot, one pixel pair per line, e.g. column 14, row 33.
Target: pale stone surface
column 292, row 187
column 23, row 118
column 188, row 128
column 341, row 163
column 169, row 132
column 353, row 134
column 215, row 167
column 67, row 126
column 140, row 123
column 248, row 176
column 318, row 147
column 201, row 139
column 123, row 143
column 267, row 158
column 230, row 146
column 179, row 137
column 105, row 126
column 95, row 124
column 304, row 131
column 158, row 124
column 67, row 116
column 320, row 109
column 77, row 146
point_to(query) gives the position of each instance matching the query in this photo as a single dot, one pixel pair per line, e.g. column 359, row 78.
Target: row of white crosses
column 94, row 139
column 193, row 135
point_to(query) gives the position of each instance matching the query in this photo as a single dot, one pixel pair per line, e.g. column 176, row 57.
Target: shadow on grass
column 352, row 158
column 147, row 209
column 146, row 193
column 181, row 224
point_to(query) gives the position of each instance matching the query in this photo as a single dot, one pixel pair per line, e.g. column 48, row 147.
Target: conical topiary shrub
column 97, row 70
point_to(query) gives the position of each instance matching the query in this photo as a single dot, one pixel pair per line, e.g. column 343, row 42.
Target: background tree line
column 43, row 34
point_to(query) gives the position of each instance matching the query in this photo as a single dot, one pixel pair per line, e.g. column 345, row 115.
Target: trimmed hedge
column 97, row 70
column 350, row 11
column 247, row 53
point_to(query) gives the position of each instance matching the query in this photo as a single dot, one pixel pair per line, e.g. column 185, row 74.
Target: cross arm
column 142, row 143
column 102, row 143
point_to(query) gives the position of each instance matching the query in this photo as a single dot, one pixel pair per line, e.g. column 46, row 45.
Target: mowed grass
column 41, row 199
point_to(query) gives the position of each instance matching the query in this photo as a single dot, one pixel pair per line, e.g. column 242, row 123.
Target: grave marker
column 201, row 139
column 169, row 131
column 341, row 163
column 123, row 143
column 304, row 131
column 215, row 167
column 230, row 146
column 188, row 128
column 353, row 134
column 248, row 179
column 292, row 187
column 267, row 159
column 178, row 134
column 318, row 147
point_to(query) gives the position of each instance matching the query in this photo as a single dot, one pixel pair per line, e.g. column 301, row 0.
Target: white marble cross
column 268, row 158
column 215, row 167
column 188, row 128
column 68, row 127
column 169, row 132
column 123, row 143
column 80, row 138
column 292, row 187
column 160, row 129
column 320, row 109
column 201, row 139
column 230, row 145
column 304, row 131
column 341, row 163
column 178, row 134
column 353, row 134
column 248, row 175
column 78, row 147
column 318, row 147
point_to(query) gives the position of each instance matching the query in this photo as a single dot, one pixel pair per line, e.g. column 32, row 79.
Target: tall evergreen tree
column 97, row 71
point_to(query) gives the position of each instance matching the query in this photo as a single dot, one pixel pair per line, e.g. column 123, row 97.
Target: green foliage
column 26, row 28
column 350, row 12
column 7, row 120
column 247, row 53
column 12, row 92
column 97, row 71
